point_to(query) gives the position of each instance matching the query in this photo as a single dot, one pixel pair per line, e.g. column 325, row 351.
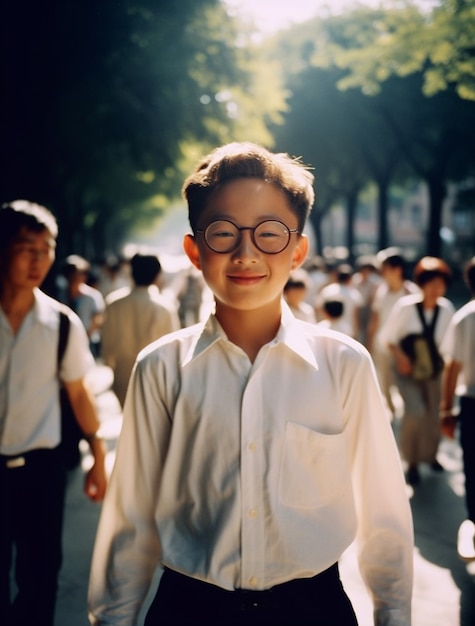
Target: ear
column 191, row 249
column 300, row 252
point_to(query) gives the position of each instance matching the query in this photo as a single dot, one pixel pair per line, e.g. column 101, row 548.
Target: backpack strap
column 428, row 328
column 63, row 336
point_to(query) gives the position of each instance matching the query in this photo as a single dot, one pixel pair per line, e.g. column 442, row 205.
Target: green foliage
column 406, row 40
column 104, row 100
column 385, row 130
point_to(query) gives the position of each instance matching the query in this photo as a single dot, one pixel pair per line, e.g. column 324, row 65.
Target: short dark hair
column 334, row 308
column 344, row 272
column 247, row 160
column 298, row 279
column 145, row 268
column 430, row 267
column 75, row 263
column 469, row 274
column 20, row 214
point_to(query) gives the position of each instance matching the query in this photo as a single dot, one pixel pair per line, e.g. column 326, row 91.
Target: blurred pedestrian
column 333, row 309
column 83, row 299
column 134, row 318
column 32, row 471
column 295, row 292
column 459, row 349
column 392, row 266
column 113, row 274
column 344, row 290
column 420, row 321
column 190, row 296
column 365, row 280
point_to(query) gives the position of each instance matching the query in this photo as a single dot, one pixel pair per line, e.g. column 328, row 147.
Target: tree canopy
column 102, row 102
column 402, row 41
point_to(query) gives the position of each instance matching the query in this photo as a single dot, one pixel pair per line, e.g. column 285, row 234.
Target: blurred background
column 107, row 105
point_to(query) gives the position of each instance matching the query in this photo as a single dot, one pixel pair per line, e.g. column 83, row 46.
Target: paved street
column 444, row 586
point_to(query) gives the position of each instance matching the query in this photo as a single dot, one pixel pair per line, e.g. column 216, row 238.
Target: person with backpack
column 412, row 334
column 32, row 465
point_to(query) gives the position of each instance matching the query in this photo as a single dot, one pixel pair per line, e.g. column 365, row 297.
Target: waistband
column 328, row 577
column 31, row 457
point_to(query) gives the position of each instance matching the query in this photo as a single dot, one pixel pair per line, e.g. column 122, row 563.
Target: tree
column 407, row 40
column 433, row 134
column 103, row 101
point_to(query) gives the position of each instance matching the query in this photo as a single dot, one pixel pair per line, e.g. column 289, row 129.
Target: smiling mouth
column 245, row 279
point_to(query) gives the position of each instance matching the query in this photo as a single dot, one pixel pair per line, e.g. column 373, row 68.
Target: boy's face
column 29, row 259
column 247, row 278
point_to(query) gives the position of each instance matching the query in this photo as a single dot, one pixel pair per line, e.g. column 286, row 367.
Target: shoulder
column 465, row 313
column 446, row 305
column 332, row 344
column 410, row 287
column 117, row 295
column 409, row 300
column 93, row 294
column 55, row 307
column 50, row 310
column 170, row 346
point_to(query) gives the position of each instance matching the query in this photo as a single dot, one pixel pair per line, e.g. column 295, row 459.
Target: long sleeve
column 127, row 547
column 385, row 535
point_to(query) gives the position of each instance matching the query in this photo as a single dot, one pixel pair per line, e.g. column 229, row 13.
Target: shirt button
column 252, row 513
column 252, row 446
column 253, row 581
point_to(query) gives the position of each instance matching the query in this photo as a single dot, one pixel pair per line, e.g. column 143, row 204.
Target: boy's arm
column 84, row 409
column 385, row 535
column 127, row 546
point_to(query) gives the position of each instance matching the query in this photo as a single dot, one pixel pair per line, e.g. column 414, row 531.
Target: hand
column 403, row 363
column 95, row 482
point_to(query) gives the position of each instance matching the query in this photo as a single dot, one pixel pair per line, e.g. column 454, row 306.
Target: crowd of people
column 254, row 442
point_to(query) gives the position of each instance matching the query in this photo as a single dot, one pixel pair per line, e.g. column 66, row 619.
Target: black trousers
column 317, row 601
column 32, row 491
column 467, row 443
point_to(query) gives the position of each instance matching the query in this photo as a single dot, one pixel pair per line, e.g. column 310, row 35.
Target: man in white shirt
column 459, row 349
column 343, row 289
column 135, row 318
column 32, row 470
column 394, row 286
column 254, row 447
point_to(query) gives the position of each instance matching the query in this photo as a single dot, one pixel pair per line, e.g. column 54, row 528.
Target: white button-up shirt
column 29, row 384
column 247, row 475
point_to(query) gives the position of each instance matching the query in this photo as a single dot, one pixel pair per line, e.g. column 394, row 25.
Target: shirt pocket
column 315, row 467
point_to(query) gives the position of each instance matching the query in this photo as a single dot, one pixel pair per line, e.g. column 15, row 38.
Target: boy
column 254, row 446
column 32, row 472
column 459, row 347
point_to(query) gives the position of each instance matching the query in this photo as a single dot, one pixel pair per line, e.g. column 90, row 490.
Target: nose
column 245, row 250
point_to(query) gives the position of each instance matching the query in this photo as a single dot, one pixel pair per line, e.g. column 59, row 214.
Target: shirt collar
column 42, row 310
column 292, row 334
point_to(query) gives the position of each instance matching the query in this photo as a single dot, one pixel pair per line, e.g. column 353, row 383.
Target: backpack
column 71, row 433
column 422, row 350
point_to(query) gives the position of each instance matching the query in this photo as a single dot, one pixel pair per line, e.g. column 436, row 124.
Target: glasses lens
column 271, row 237
column 221, row 236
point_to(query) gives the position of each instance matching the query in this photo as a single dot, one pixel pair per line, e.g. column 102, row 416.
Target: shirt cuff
column 392, row 617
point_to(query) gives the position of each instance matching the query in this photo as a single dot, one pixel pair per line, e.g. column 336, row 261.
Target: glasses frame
column 253, row 229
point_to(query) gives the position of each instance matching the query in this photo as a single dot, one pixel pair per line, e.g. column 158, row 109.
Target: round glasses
column 270, row 237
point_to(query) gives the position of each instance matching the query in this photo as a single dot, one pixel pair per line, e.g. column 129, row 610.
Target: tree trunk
column 351, row 204
column 383, row 203
column 437, row 191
